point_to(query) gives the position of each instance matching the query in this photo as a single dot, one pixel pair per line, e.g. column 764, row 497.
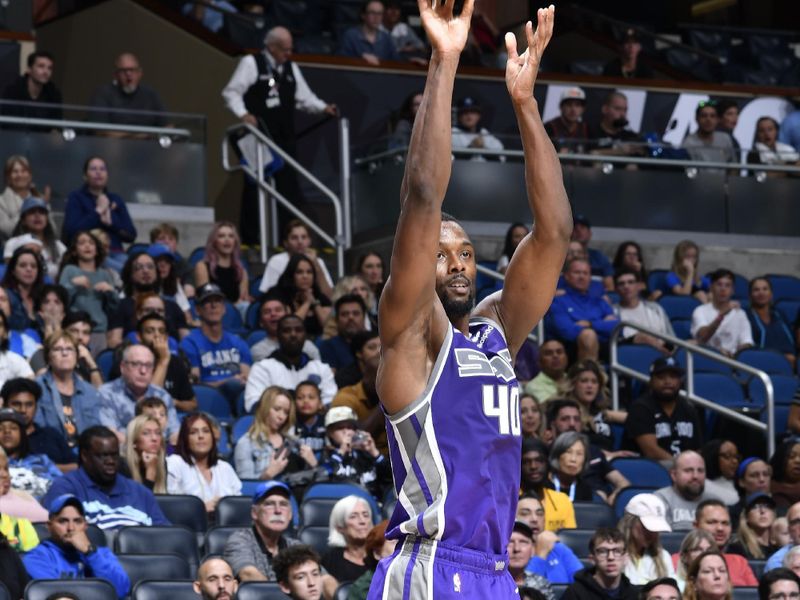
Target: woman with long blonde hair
column 144, row 453
column 755, row 525
column 644, row 519
column 684, row 278
column 265, row 451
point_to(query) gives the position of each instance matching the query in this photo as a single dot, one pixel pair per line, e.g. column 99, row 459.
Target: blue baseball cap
column 60, row 502
column 31, row 203
column 270, row 487
column 158, row 250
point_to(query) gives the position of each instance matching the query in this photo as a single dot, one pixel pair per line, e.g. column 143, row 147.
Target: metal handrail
column 96, row 126
column 617, row 369
column 596, row 158
column 339, row 241
column 539, row 337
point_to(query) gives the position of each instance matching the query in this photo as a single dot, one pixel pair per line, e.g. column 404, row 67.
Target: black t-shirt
column 676, row 433
column 602, row 139
column 597, row 470
column 46, row 440
column 125, row 317
column 340, row 568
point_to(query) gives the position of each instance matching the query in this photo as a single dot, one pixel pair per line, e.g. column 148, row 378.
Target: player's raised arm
column 409, row 294
column 533, row 272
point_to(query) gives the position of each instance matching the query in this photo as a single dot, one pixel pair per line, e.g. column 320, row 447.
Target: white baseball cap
column 573, row 93
column 338, row 414
column 651, row 512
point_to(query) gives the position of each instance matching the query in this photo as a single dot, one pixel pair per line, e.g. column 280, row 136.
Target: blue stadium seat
column 657, row 280
column 745, row 593
column 216, row 537
column 196, row 255
column 784, row 287
column 224, row 448
column 678, row 307
column 158, row 590
column 154, row 566
column 682, row 328
column 255, row 336
column 783, row 386
column 316, row 537
column 316, row 512
column 251, row 316
column 576, row 540
column 255, row 283
column 638, row 357
column 143, row 539
column 671, row 541
column 340, row 490
column 789, row 309
column 757, row 566
column 591, row 515
column 624, row 496
column 260, row 590
column 232, row 320
column 771, row 361
column 85, row 589
column 212, row 401
column 781, row 419
column 185, row 510
column 703, row 364
column 642, row 472
column 721, row 389
column 105, row 362
column 240, row 427
column 741, row 288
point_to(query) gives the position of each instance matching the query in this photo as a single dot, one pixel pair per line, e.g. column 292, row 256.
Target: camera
column 292, row 446
column 359, row 438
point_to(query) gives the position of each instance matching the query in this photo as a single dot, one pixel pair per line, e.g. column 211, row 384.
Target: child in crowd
column 309, row 428
column 155, row 407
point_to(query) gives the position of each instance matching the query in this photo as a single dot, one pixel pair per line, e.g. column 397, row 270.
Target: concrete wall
column 188, row 73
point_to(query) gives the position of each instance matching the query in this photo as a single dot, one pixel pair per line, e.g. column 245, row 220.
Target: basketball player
column 446, row 380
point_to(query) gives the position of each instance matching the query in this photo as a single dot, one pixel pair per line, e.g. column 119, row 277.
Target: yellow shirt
column 558, row 511
column 20, row 533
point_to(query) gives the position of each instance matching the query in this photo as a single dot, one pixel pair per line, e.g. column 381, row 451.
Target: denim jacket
column 50, row 410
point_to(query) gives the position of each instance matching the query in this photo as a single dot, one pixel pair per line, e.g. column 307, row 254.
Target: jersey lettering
column 502, row 401
column 474, row 363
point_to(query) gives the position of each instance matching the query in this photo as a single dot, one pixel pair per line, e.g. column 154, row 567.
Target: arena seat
column 342, row 592
column 781, row 419
column 154, row 566
column 591, row 515
column 638, row 357
column 4, row 593
column 85, row 589
column 143, row 539
column 789, row 309
column 721, row 389
column 671, row 540
column 559, row 589
column 214, row 541
column 657, row 280
column 784, row 287
column 232, row 320
column 757, row 566
column 745, row 593
column 240, row 427
column 212, row 401
column 678, row 307
column 158, row 590
column 340, row 490
column 251, row 316
column 260, row 590
column 316, row 537
column 105, row 362
column 185, row 510
column 682, row 328
column 764, row 359
column 783, row 386
column 576, row 540
column 316, row 512
column 642, row 472
column 701, row 363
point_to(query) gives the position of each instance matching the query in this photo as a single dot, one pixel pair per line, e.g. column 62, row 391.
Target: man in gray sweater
column 687, row 490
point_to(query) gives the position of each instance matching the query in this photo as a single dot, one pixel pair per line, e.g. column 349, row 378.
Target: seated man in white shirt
column 721, row 323
column 467, row 132
column 633, row 309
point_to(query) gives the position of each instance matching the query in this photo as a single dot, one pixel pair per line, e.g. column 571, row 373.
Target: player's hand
column 447, row 34
column 521, row 70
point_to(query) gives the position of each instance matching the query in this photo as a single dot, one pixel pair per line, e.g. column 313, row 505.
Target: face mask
column 620, row 123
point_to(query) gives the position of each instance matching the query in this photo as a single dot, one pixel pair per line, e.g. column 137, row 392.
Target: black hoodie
column 587, row 588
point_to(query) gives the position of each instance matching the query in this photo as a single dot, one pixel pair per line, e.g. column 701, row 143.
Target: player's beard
column 455, row 309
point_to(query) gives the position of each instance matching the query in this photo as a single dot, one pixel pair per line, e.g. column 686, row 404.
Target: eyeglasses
column 784, row 596
column 605, row 552
column 138, row 364
column 63, row 350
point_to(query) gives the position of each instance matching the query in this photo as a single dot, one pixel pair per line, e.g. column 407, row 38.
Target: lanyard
column 557, row 486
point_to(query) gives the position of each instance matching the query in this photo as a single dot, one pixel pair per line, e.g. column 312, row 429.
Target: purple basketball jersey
column 456, row 450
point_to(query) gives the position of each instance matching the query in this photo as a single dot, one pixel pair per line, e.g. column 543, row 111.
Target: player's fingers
column 425, row 5
column 467, row 10
column 511, row 46
column 529, row 32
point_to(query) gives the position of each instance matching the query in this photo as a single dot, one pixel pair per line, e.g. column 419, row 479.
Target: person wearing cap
column 627, row 64
column 32, row 473
column 721, row 323
column 644, row 519
column 521, row 549
column 34, row 226
column 287, row 366
column 568, row 131
column 599, row 263
column 362, row 397
column 577, row 317
column 140, row 277
column 707, row 143
column 118, row 397
column 69, row 553
column 351, row 454
column 90, row 286
column 604, row 580
column 218, row 358
column 110, row 499
column 467, row 132
column 661, row 423
column 752, row 539
column 663, row 588
column 251, row 551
